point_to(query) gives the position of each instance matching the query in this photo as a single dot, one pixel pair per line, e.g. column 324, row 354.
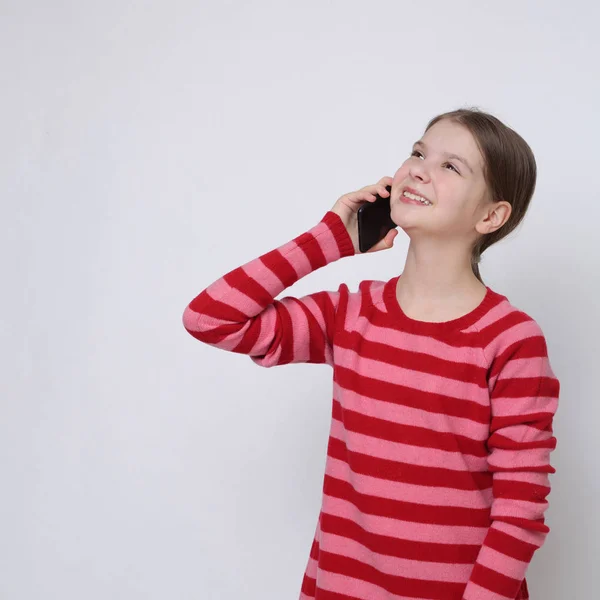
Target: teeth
column 414, row 197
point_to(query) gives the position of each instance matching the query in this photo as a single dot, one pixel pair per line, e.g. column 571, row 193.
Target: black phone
column 374, row 221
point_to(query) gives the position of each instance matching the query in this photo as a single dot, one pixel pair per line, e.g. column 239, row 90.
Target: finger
column 355, row 198
column 379, row 188
column 373, row 190
column 363, row 195
column 386, row 243
column 386, row 180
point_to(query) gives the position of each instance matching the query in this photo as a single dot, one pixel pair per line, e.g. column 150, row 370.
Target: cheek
column 401, row 174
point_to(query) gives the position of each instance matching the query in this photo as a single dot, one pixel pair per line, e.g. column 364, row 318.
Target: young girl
column 437, row 466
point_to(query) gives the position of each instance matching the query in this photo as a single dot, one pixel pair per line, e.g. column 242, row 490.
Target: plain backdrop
column 146, row 149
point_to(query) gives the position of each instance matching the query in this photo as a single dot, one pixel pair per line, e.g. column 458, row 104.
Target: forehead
column 449, row 137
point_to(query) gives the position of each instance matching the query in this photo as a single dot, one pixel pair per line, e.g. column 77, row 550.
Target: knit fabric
column 437, row 468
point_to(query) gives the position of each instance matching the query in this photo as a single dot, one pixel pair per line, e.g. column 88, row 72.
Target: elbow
column 209, row 330
column 190, row 320
column 195, row 317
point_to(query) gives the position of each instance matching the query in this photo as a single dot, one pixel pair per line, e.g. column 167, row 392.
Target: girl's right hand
column 346, row 207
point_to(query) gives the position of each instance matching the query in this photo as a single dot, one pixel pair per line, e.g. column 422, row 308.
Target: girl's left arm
column 524, row 399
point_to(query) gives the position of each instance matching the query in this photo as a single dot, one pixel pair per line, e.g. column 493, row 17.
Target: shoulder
column 371, row 293
column 367, row 289
column 508, row 328
column 361, row 298
column 518, row 351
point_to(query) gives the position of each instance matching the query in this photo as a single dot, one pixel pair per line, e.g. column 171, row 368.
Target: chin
column 402, row 219
column 411, row 225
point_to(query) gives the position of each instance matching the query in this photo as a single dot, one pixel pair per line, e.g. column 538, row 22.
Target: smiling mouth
column 416, row 198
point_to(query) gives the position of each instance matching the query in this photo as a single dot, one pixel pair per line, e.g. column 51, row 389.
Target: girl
column 437, row 466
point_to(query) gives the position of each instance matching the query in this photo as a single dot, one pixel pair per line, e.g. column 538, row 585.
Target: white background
column 147, row 148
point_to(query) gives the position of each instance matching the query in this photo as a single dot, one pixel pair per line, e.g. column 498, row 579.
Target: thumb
column 387, row 242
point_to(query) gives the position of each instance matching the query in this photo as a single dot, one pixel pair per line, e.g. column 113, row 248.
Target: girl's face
column 446, row 168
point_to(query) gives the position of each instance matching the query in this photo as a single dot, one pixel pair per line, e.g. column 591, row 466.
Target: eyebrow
column 448, row 155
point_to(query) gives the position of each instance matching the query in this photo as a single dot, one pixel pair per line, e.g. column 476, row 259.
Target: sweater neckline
column 490, row 299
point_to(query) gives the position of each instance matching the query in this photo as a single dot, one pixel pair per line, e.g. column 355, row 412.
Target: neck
column 437, row 272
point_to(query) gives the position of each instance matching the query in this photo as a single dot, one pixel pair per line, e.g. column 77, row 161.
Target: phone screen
column 374, row 221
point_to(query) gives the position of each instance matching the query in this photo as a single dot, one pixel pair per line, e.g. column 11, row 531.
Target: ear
column 495, row 215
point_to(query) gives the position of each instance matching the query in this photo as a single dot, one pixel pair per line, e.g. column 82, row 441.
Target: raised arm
column 239, row 312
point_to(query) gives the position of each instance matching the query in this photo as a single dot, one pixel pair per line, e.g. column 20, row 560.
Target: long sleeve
column 239, row 313
column 524, row 398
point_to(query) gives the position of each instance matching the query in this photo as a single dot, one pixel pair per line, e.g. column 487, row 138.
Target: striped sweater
column 437, row 467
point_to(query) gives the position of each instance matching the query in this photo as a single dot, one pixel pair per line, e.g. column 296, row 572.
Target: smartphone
column 374, row 221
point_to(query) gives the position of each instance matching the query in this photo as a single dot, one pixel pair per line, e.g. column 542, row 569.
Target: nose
column 419, row 171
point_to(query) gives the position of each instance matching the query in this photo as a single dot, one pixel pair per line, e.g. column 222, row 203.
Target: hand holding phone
column 374, row 221
column 373, row 230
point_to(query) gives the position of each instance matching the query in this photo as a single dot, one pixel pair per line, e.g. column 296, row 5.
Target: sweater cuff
column 340, row 233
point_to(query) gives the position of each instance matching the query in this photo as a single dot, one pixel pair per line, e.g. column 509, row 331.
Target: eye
column 453, row 167
column 417, row 153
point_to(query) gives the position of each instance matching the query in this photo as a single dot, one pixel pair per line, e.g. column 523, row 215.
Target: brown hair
column 510, row 170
